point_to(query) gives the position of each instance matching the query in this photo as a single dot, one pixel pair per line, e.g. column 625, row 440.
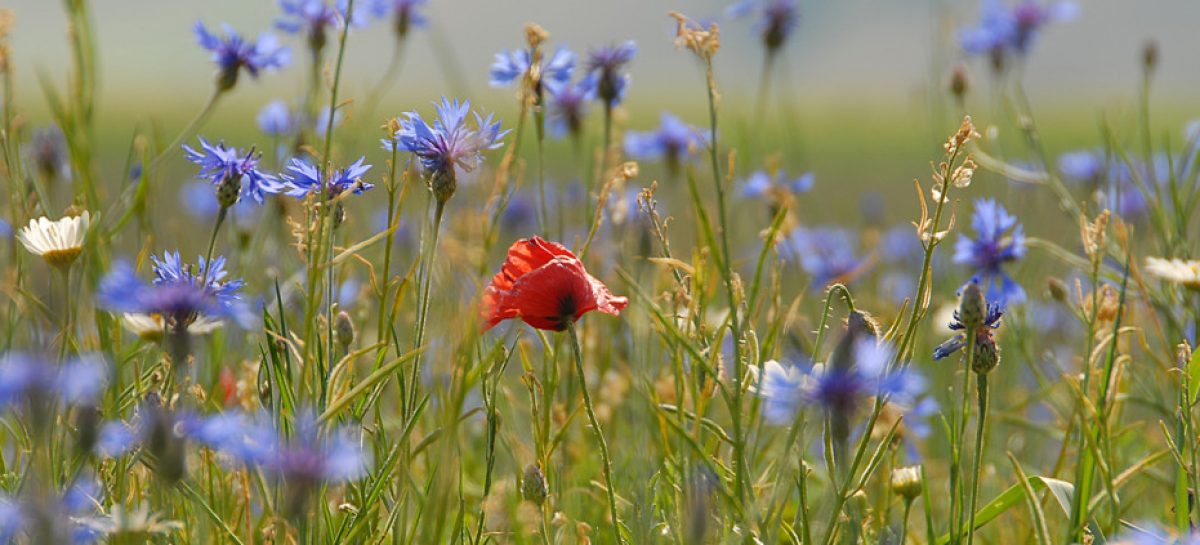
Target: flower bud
column 971, row 309
column 344, row 328
column 1149, row 56
column 443, row 183
column 228, row 191
column 533, row 485
column 906, row 482
column 1057, row 289
column 987, row 355
column 959, row 82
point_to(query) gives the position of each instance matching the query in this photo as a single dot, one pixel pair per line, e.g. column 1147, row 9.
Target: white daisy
column 1176, row 271
column 58, row 242
column 150, row 326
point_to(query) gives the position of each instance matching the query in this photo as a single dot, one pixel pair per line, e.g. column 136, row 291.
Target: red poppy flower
column 544, row 284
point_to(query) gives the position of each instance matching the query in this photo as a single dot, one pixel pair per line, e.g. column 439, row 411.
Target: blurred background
column 860, row 77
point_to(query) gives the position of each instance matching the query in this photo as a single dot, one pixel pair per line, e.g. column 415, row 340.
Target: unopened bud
column 959, row 82
column 906, row 482
column 1057, row 289
column 443, row 184
column 971, row 308
column 987, row 355
column 533, row 485
column 344, row 328
column 228, row 191
column 1150, row 56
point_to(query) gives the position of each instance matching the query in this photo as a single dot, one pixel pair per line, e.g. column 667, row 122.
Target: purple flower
column 776, row 19
column 449, row 143
column 782, row 388
column 312, row 16
column 672, row 142
column 179, row 293
column 116, row 439
column 568, row 106
column 999, row 240
column 76, row 382
column 555, row 72
column 303, row 177
column 232, row 54
column 221, row 164
column 983, row 335
column 403, row 12
column 606, row 64
column 763, row 184
column 1003, row 30
column 825, row 253
column 276, row 119
column 1085, row 166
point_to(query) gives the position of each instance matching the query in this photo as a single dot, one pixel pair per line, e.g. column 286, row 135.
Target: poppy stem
column 598, row 433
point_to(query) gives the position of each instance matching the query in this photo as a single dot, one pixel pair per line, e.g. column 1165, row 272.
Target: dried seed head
column 535, row 35
column 965, row 133
column 1092, row 234
column 690, row 35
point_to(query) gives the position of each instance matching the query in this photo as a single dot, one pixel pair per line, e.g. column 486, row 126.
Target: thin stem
column 337, row 78
column 960, row 430
column 904, row 524
column 67, row 326
column 426, row 282
column 539, row 117
column 598, row 433
column 980, row 438
column 212, row 243
column 187, row 131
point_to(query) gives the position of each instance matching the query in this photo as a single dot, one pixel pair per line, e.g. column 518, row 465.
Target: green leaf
column 1015, row 495
column 1193, row 376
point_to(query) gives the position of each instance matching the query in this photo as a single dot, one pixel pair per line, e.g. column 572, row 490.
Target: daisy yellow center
column 62, row 258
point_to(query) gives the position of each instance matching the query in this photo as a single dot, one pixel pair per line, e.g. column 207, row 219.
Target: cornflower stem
column 539, row 118
column 337, row 78
column 741, row 475
column 607, row 142
column 212, row 243
column 980, row 438
column 187, row 131
column 426, row 283
column 597, row 432
column 384, row 308
column 957, row 479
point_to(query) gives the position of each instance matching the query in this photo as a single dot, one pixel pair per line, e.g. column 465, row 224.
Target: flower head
column 606, row 63
column 1010, row 30
column 404, row 13
column 568, row 106
column 76, row 382
column 550, row 74
column 450, row 144
column 672, row 142
column 303, row 177
column 776, row 19
column 1085, row 166
column 179, row 293
column 276, row 119
column 984, row 327
column 782, row 388
column 776, row 183
column 232, row 54
column 825, row 253
column 545, row 285
column 999, row 240
column 1175, row 271
column 58, row 242
column 313, row 17
column 232, row 172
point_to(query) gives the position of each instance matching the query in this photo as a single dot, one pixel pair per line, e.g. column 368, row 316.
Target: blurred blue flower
column 1083, row 166
column 313, row 16
column 48, row 151
column 403, row 12
column 232, row 54
column 116, row 439
column 605, row 64
column 825, row 253
column 323, row 121
column 199, row 201
column 1002, row 29
column 568, row 106
column 999, row 240
column 276, row 119
column 555, row 72
column 672, row 142
column 179, row 293
column 5, row 229
column 76, row 382
column 782, row 388
column 449, row 144
column 302, row 178
column 841, row 391
column 762, row 184
column 776, row 19
column 221, row 164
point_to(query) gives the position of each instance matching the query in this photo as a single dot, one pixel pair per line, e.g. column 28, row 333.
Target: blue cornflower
column 1000, row 239
column 303, row 177
column 448, row 145
column 825, row 253
column 228, row 168
column 983, row 334
column 769, row 184
column 606, row 64
column 777, row 19
column 842, row 390
column 276, row 119
column 672, row 142
column 313, row 16
column 568, row 106
column 232, row 54
column 555, row 72
column 782, row 388
column 70, row 518
column 1003, row 30
column 404, row 14
column 1084, row 166
column 76, row 382
column 115, row 439
column 179, row 293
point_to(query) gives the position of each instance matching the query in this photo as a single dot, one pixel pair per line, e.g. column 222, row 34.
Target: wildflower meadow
column 538, row 311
